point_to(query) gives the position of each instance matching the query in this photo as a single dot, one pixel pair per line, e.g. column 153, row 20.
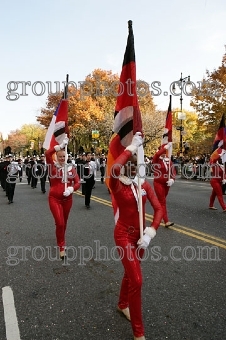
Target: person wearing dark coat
column 103, row 162
column 42, row 172
column 13, row 169
column 89, row 173
column 4, row 172
column 34, row 172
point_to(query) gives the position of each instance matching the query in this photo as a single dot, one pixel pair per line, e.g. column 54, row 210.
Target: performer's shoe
column 169, row 224
column 87, row 206
column 140, row 338
column 224, row 210
column 212, row 208
column 125, row 312
column 62, row 255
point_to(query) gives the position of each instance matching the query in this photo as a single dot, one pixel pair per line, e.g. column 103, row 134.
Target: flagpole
column 169, row 156
column 66, row 158
column 139, row 162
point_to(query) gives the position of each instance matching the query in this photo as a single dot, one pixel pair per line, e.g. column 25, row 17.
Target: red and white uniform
column 127, row 233
column 160, row 167
column 217, row 175
column 60, row 205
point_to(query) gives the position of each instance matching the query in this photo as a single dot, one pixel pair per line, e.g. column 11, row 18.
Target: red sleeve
column 114, row 183
column 49, row 153
column 158, row 212
column 157, row 155
column 76, row 182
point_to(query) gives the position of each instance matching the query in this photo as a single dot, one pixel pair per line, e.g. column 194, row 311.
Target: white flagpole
column 65, row 168
column 140, row 161
column 169, row 156
column 65, row 164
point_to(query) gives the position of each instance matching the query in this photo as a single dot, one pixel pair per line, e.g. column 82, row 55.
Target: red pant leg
column 217, row 191
column 130, row 293
column 161, row 190
column 60, row 210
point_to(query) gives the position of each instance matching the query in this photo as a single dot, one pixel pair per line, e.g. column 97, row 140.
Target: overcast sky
column 44, row 40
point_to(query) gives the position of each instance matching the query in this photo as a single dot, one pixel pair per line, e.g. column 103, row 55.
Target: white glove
column 62, row 145
column 149, row 234
column 136, row 142
column 170, row 182
column 224, row 181
column 137, row 139
column 167, row 146
column 144, row 242
column 65, row 142
column 68, row 191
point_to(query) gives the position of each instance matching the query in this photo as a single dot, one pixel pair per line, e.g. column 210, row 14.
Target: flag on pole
column 127, row 117
column 219, row 143
column 58, row 126
column 220, row 138
column 167, row 135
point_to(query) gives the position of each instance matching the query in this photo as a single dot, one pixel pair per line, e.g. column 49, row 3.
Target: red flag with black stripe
column 127, row 117
column 58, row 126
column 220, row 138
column 167, row 134
column 219, row 141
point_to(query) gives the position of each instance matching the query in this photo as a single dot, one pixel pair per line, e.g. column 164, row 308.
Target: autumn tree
column 29, row 138
column 209, row 101
column 91, row 107
column 193, row 134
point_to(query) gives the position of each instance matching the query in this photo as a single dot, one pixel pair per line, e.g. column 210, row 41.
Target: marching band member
column 13, row 169
column 164, row 177
column 217, row 179
column 127, row 232
column 60, row 200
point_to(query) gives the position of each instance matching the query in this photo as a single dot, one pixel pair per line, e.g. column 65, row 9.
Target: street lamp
column 181, row 114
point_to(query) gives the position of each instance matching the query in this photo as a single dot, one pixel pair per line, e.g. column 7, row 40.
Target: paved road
column 184, row 283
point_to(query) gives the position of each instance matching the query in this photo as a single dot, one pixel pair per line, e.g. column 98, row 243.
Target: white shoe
column 140, row 338
column 125, row 312
column 62, row 254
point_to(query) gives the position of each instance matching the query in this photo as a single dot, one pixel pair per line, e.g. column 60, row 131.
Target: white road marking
column 11, row 323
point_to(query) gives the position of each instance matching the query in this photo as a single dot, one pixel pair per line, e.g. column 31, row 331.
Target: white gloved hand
column 144, row 242
column 150, row 231
column 65, row 141
column 137, row 139
column 149, row 234
column 136, row 142
column 68, row 191
column 167, row 146
column 170, row 182
column 62, row 145
column 224, row 181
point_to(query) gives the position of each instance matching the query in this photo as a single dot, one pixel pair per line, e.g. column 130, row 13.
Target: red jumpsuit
column 161, row 176
column 60, row 205
column 217, row 175
column 126, row 234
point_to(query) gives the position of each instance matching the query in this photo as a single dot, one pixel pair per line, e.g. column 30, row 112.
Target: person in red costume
column 124, row 194
column 164, row 177
column 217, row 179
column 60, row 200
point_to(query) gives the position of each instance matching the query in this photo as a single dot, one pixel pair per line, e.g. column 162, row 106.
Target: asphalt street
column 184, row 278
